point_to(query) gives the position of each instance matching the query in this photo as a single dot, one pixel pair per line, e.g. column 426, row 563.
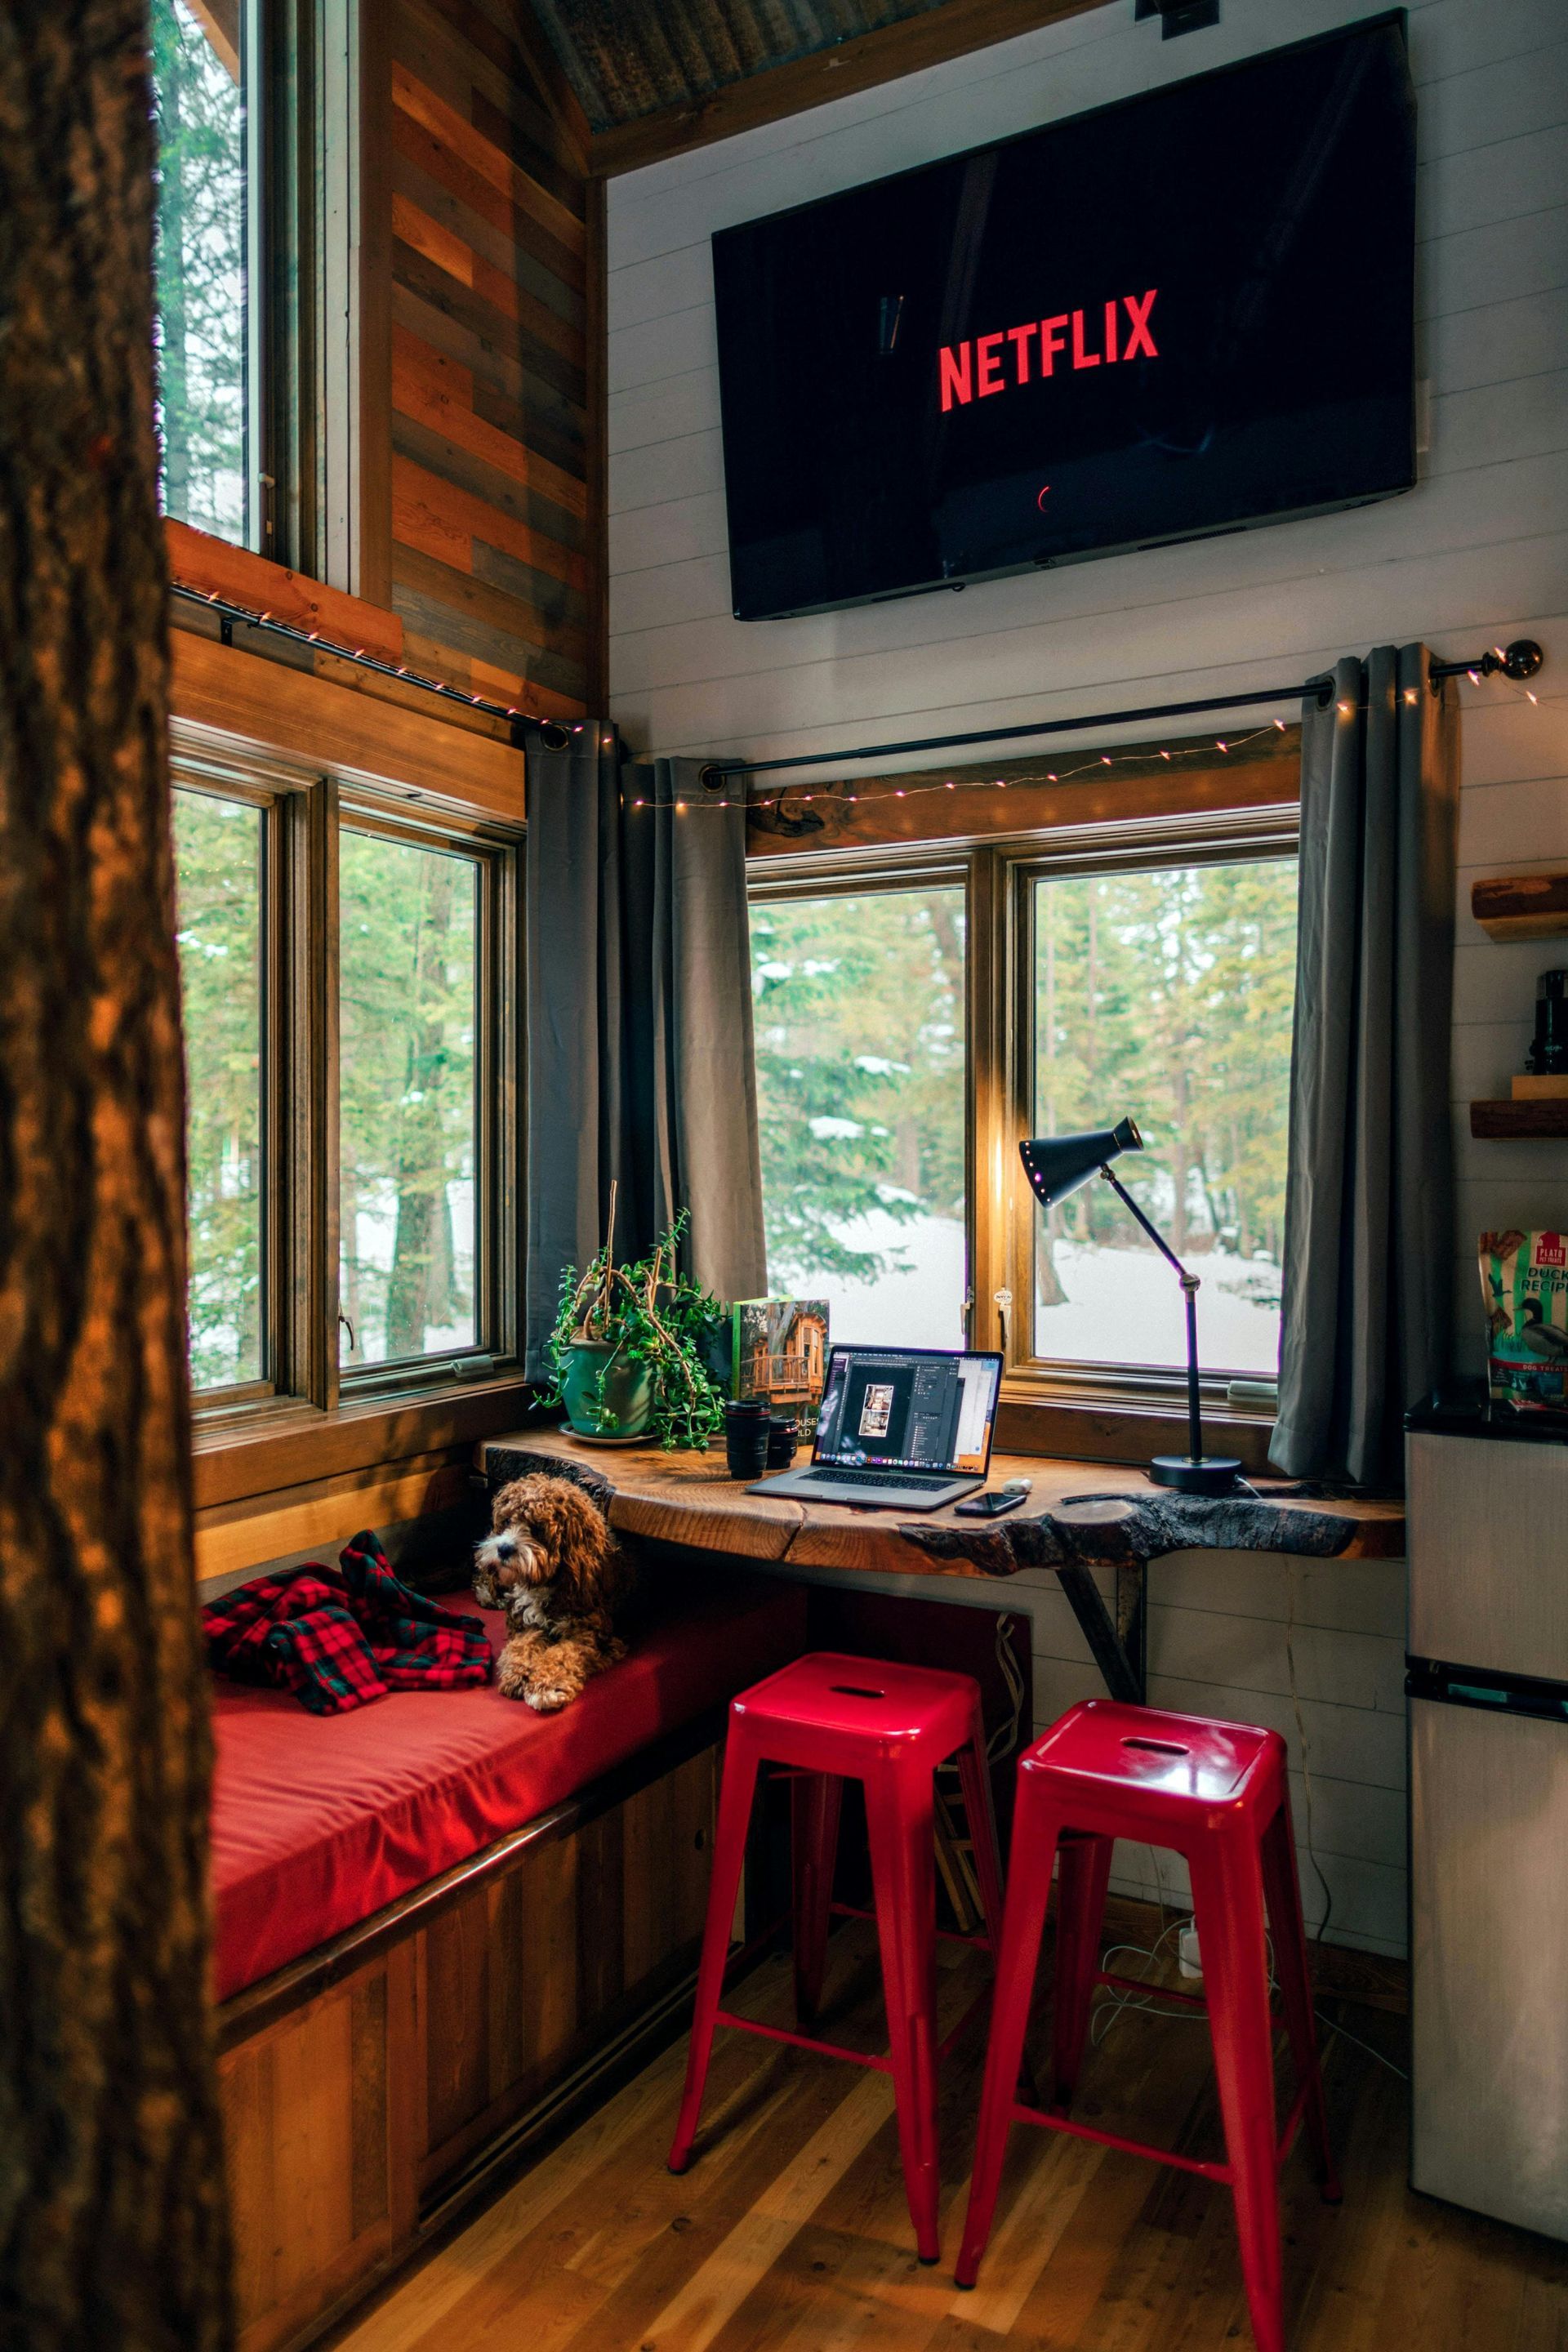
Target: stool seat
column 1217, row 1793
column 1145, row 1757
column 832, row 1718
column 871, row 1707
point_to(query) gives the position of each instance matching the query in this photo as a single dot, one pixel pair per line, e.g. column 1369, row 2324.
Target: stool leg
column 814, row 1799
column 1034, row 1834
column 1294, row 1969
column 901, row 1817
column 1227, row 1904
column 974, row 1780
column 729, row 1860
column 1083, row 1872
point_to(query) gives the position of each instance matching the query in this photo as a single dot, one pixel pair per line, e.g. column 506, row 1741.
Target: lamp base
column 1216, row 1473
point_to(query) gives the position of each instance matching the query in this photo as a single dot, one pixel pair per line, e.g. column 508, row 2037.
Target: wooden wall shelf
column 1521, row 906
column 1495, row 1120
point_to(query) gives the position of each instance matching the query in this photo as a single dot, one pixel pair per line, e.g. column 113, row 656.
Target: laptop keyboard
column 919, row 1479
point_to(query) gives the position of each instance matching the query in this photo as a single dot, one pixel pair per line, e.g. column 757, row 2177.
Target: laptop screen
column 907, row 1409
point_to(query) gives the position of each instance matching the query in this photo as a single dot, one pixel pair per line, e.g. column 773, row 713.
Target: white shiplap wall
column 1478, row 553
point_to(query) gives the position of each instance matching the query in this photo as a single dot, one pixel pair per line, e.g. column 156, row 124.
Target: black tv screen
column 1173, row 317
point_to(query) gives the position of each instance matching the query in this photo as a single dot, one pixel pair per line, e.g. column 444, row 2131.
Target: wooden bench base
column 374, row 2086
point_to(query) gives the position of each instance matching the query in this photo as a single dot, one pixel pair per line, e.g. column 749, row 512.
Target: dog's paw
column 549, row 1698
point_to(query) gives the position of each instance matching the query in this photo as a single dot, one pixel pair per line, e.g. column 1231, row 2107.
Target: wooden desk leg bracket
column 1120, row 1645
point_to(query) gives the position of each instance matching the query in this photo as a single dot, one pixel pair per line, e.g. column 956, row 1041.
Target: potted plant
column 629, row 1343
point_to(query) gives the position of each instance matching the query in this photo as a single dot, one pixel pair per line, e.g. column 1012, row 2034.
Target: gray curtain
column 1369, row 1223
column 639, row 1061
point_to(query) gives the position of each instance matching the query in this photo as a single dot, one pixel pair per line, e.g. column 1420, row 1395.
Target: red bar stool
column 833, row 1718
column 1217, row 1794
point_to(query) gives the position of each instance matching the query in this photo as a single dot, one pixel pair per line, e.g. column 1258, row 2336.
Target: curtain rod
column 1519, row 660
column 553, row 732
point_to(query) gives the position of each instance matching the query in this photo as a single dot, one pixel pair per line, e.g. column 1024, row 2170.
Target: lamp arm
column 1161, row 1244
column 1189, row 1283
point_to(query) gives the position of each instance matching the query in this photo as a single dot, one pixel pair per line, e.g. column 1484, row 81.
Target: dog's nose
column 505, row 1546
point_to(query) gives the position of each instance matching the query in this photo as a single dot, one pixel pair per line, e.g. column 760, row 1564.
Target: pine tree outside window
column 859, row 1006
column 203, row 276
column 917, row 1011
column 1167, row 992
column 351, row 982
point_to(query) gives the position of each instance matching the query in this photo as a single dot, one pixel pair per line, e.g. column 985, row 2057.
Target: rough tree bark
column 112, row 2230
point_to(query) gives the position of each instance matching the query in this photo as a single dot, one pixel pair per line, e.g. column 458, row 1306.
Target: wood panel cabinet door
column 320, row 2149
column 530, row 1973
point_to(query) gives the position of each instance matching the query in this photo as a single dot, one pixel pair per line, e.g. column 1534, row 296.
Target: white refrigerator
column 1488, row 1684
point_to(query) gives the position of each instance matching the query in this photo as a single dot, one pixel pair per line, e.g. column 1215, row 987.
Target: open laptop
column 905, row 1429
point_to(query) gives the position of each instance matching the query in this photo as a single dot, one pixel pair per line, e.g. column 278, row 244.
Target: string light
column 779, row 801
column 779, row 798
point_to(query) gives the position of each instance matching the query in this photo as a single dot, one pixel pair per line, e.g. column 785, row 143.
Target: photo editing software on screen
column 896, row 1409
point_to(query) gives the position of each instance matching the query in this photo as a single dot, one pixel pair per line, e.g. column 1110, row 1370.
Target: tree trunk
column 112, row 2229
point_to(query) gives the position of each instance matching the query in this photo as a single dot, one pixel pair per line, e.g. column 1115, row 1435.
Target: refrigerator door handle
column 1446, row 1684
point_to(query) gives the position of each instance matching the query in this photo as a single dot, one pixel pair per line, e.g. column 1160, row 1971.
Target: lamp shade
column 1057, row 1165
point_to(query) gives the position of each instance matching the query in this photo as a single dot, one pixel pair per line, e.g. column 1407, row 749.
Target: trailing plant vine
column 648, row 1313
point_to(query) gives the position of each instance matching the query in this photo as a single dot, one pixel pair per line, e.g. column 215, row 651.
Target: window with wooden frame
column 858, row 990
column 1135, row 963
column 349, row 970
column 258, row 107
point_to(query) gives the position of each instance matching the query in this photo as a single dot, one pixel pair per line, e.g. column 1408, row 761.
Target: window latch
column 349, row 1328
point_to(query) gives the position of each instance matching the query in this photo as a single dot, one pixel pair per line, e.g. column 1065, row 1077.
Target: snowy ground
column 1123, row 1306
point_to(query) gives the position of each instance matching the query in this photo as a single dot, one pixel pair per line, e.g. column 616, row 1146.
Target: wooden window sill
column 216, row 567
column 1085, row 1429
column 293, row 1445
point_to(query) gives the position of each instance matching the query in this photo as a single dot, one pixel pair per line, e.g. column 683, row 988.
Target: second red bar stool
column 832, row 1718
column 1217, row 1794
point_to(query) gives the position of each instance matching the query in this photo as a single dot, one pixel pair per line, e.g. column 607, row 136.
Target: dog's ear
column 510, row 1504
column 579, row 1536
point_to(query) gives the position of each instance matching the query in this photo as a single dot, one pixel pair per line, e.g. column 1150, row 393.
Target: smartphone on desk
column 991, row 1505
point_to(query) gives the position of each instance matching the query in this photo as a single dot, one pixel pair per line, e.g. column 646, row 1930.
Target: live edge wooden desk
column 1079, row 1515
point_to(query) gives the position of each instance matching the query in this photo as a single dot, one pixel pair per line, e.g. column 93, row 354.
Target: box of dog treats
column 1524, row 1280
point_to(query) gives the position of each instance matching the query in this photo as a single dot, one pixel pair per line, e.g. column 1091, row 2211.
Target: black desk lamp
column 1057, row 1165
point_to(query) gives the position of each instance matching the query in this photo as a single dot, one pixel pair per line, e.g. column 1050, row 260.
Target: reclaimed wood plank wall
column 496, row 388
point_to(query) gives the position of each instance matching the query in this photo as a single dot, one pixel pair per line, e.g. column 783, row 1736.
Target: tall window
column 202, row 289
column 860, row 1012
column 354, row 1145
column 409, row 988
column 218, row 851
column 1166, row 994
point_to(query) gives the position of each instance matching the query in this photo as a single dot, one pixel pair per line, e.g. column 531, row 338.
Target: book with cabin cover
column 779, row 1351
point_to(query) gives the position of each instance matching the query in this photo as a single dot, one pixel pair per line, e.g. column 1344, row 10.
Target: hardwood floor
column 790, row 2232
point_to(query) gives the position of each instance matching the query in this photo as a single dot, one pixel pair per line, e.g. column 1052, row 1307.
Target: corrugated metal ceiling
column 630, row 58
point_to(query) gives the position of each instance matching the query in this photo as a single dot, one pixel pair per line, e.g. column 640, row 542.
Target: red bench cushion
column 319, row 1821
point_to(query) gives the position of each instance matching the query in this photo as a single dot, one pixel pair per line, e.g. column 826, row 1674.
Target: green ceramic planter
column 622, row 1407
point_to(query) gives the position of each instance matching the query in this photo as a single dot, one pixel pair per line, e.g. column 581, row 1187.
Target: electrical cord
column 1121, row 2000
column 1004, row 1740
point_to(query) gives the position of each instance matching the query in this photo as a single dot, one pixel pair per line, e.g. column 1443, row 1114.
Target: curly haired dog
column 553, row 1565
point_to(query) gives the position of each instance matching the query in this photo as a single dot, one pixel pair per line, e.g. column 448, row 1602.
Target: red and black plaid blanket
column 340, row 1641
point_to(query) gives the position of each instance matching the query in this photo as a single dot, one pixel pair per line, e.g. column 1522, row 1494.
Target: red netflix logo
column 978, row 368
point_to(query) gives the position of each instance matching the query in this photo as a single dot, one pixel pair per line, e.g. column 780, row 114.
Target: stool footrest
column 802, row 2040
column 982, row 1943
column 1142, row 1984
column 1221, row 2172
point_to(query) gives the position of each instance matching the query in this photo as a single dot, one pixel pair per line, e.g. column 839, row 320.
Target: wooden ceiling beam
column 886, row 55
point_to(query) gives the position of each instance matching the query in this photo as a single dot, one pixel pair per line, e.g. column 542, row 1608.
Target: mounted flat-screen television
column 1178, row 316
